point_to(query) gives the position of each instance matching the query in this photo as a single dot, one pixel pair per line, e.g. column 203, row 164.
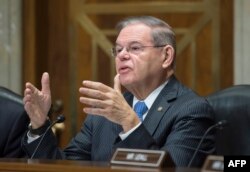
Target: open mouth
column 124, row 69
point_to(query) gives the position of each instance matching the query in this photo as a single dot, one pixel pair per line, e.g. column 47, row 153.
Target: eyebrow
column 130, row 43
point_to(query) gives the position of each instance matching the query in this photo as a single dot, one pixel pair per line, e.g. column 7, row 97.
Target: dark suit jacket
column 177, row 128
column 13, row 124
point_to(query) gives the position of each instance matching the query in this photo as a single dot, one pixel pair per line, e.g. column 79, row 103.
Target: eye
column 135, row 48
column 118, row 49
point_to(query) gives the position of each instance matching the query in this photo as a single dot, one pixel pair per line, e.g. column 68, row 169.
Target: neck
column 141, row 92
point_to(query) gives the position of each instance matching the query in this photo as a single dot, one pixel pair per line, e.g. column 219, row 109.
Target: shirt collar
column 152, row 96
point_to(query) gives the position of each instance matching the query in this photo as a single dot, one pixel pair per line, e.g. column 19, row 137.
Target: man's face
column 135, row 63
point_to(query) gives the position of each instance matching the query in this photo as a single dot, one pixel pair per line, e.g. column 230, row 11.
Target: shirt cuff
column 123, row 135
column 31, row 137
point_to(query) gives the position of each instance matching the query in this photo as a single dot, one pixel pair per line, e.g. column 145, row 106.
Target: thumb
column 117, row 85
column 45, row 83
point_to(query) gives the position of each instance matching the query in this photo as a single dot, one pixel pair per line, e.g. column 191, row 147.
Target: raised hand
column 38, row 102
column 108, row 102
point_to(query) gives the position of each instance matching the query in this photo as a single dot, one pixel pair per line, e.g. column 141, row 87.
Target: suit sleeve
column 46, row 150
column 18, row 128
column 79, row 147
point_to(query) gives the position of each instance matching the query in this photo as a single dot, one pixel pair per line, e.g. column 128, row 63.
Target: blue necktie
column 140, row 108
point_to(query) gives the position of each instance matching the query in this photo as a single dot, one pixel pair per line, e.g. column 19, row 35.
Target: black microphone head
column 221, row 124
column 60, row 119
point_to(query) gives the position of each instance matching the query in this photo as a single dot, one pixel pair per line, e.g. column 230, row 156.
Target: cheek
column 153, row 67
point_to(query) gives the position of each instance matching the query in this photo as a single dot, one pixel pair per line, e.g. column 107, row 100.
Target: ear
column 168, row 53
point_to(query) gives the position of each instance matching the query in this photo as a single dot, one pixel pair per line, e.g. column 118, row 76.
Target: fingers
column 45, row 83
column 99, row 97
column 117, row 85
column 100, row 91
column 101, row 87
column 94, row 103
column 96, row 86
column 96, row 94
column 30, row 87
column 29, row 90
column 28, row 99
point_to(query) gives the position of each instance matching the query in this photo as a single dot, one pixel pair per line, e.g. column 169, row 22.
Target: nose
column 124, row 53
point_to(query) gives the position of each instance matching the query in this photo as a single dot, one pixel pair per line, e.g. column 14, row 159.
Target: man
column 174, row 117
column 13, row 124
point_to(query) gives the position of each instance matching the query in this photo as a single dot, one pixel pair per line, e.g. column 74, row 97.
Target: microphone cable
column 218, row 125
column 59, row 119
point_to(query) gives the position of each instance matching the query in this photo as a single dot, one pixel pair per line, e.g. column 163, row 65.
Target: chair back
column 233, row 105
column 7, row 94
column 13, row 123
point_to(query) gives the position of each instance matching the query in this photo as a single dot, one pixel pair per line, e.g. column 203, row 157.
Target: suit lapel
column 161, row 105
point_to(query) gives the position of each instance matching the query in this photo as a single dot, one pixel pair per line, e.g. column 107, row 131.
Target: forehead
column 134, row 33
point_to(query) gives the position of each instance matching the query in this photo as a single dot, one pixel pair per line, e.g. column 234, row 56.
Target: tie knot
column 140, row 108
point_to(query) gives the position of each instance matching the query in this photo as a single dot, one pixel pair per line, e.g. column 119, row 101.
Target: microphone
column 219, row 125
column 59, row 119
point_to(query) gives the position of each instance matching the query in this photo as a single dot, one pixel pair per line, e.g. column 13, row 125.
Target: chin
column 125, row 81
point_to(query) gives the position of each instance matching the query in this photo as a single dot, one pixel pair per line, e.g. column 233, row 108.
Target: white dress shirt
column 149, row 102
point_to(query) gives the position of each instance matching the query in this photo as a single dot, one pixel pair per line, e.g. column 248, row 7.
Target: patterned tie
column 140, row 108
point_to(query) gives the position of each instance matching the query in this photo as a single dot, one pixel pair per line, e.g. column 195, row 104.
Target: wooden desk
column 28, row 165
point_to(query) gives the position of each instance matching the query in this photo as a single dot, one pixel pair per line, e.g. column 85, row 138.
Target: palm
column 37, row 102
